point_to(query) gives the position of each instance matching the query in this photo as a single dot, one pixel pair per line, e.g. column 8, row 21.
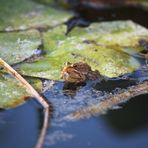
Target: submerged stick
column 109, row 102
column 44, row 129
column 33, row 93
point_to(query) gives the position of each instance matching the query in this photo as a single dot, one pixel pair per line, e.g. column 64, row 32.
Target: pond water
column 125, row 127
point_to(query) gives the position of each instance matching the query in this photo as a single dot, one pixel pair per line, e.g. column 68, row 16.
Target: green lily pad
column 16, row 47
column 63, row 3
column 108, row 47
column 138, row 2
column 50, row 2
column 24, row 14
column 12, row 93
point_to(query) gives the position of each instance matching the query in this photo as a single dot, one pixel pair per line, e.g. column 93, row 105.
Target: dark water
column 19, row 127
column 125, row 128
column 85, row 15
column 136, row 14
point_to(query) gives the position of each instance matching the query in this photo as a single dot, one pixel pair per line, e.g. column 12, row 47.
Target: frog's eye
column 67, row 63
column 75, row 65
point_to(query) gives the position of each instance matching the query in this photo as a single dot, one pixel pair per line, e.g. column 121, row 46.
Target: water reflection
column 70, row 89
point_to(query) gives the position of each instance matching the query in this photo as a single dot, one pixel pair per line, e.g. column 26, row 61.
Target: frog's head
column 70, row 74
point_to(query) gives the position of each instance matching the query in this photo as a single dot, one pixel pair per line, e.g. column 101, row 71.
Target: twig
column 109, row 102
column 44, row 129
column 35, row 94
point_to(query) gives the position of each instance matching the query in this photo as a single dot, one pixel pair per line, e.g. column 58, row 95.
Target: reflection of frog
column 78, row 73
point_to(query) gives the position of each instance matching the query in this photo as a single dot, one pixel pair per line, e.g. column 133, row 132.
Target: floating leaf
column 15, row 47
column 63, row 3
column 106, row 46
column 12, row 93
column 20, row 15
column 138, row 2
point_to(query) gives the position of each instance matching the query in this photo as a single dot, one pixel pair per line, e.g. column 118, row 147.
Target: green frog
column 78, row 73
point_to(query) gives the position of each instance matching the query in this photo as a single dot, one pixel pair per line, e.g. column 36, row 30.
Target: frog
column 78, row 72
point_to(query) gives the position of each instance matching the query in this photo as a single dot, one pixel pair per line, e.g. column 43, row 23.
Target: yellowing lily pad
column 12, row 93
column 17, row 46
column 108, row 47
column 24, row 14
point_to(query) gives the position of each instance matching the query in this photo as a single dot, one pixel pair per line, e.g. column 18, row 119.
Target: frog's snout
column 64, row 75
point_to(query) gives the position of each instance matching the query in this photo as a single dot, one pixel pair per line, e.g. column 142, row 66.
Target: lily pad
column 108, row 47
column 12, row 93
column 63, row 3
column 138, row 2
column 24, row 14
column 16, row 47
